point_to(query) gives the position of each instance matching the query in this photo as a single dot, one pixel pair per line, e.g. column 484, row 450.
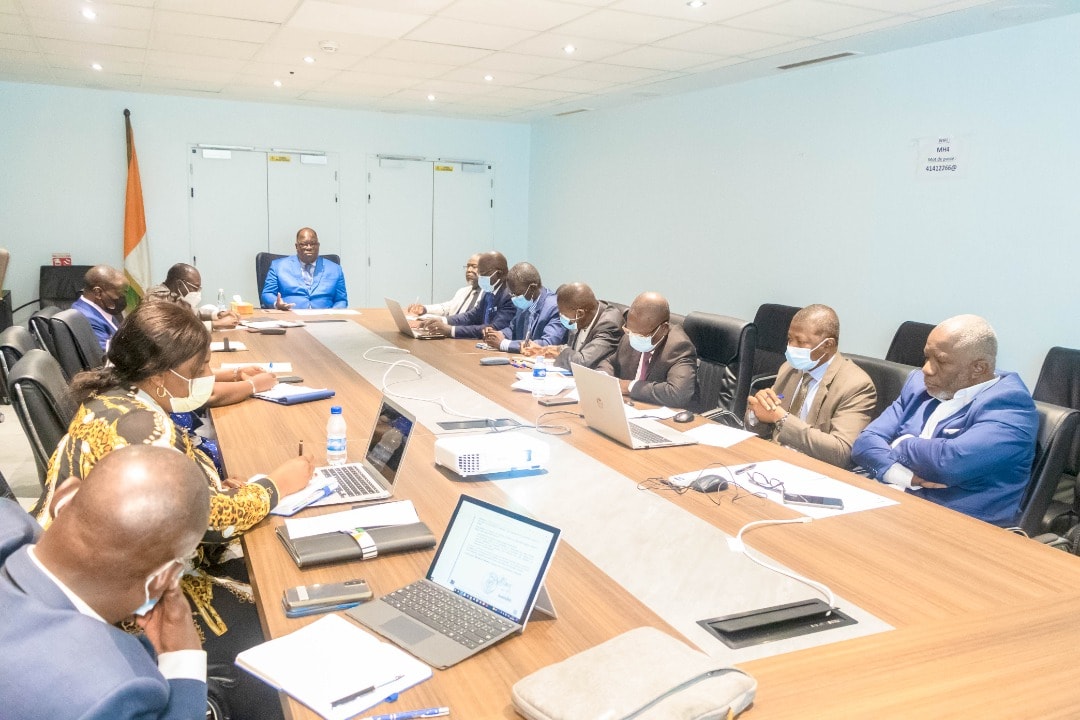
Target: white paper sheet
column 400, row 512
column 718, row 435
column 326, row 311
column 276, row 367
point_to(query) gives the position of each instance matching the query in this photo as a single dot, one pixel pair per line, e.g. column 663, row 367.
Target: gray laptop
column 602, row 403
column 398, row 313
column 484, row 581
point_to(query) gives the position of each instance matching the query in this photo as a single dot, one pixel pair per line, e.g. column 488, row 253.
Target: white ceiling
column 394, row 54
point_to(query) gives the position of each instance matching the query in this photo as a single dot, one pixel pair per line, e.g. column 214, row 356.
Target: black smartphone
column 814, row 501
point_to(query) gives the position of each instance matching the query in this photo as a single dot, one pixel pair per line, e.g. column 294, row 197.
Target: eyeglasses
column 649, row 334
column 470, row 265
column 764, row 482
column 191, row 288
column 307, row 244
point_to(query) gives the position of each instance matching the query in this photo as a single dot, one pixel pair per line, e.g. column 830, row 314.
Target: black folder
column 342, row 547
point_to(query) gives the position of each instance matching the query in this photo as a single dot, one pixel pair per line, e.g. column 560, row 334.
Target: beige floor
column 16, row 460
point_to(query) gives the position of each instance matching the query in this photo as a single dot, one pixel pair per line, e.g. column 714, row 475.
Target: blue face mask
column 521, row 302
column 484, row 283
column 147, row 606
column 799, row 358
column 567, row 323
column 641, row 343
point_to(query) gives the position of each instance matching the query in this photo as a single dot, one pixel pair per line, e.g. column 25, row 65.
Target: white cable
column 441, row 402
column 820, row 587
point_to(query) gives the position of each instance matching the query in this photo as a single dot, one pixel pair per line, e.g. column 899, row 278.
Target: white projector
column 491, row 453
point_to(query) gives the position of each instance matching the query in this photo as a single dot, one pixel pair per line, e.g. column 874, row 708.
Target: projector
column 490, row 453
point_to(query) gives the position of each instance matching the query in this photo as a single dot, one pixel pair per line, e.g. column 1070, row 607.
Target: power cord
column 441, row 402
column 736, row 543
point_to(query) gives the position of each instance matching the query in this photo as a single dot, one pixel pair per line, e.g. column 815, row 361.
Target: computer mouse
column 710, row 483
column 683, row 416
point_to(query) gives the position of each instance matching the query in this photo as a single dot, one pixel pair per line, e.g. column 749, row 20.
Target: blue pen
column 314, row 497
column 410, row 714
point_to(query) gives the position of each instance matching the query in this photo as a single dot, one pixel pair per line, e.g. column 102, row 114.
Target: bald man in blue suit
column 305, row 280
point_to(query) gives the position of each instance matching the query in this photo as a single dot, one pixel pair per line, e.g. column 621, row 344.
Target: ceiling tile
column 567, row 84
column 805, row 18
column 268, row 72
column 111, row 14
column 181, row 72
column 13, row 24
column 526, row 14
column 452, row 87
column 203, row 46
column 295, row 57
column 531, row 64
column 431, row 52
column 109, row 67
column 161, row 57
column 528, row 95
column 715, row 11
column 416, row 7
column 501, row 77
column 213, row 27
column 387, row 66
column 585, row 49
column 14, row 56
column 952, row 7
column 11, row 7
column 167, row 83
column 724, row 41
column 89, row 32
column 610, row 73
column 626, row 27
column 648, row 56
column 869, row 27
column 354, row 93
column 356, row 79
column 272, row 11
column 780, row 51
column 100, row 80
column 90, row 52
column 467, row 34
column 331, row 17
column 900, row 6
column 17, row 42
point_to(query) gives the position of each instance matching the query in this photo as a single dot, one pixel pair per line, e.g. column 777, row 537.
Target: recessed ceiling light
column 89, row 13
column 431, row 98
column 277, row 83
column 696, row 4
column 568, row 49
column 309, row 60
column 96, row 66
column 489, row 78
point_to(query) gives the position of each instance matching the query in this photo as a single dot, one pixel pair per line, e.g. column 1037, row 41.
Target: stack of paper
column 334, row 667
column 400, row 512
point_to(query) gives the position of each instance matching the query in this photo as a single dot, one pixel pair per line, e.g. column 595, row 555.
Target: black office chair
column 77, row 347
column 58, row 285
column 1057, row 427
column 39, row 395
column 15, row 342
column 41, row 330
column 888, row 377
column 262, row 266
column 909, row 342
column 725, row 347
column 1059, row 383
column 772, row 322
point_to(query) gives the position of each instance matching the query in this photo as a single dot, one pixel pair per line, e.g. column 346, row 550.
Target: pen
column 410, row 714
column 360, row 693
column 301, row 450
column 748, row 468
column 315, row 497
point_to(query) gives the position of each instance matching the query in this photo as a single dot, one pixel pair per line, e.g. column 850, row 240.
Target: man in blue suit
column 960, row 434
column 536, row 318
column 305, row 280
column 102, row 301
column 495, row 308
column 117, row 546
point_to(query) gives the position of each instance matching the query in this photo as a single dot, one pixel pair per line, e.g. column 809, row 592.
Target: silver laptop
column 484, row 581
column 602, row 403
column 398, row 313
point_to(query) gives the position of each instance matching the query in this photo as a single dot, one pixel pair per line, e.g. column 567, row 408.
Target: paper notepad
column 286, row 394
column 330, row 659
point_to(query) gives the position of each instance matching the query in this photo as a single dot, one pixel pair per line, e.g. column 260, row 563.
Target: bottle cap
column 335, row 410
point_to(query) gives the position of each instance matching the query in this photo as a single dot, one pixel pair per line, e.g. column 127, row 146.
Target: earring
column 160, row 391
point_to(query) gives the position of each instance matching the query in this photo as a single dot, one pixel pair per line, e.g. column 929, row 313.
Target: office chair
column 725, row 347
column 77, row 347
column 39, row 395
column 772, row 322
column 1059, row 383
column 15, row 342
column 1057, row 428
column 5, row 489
column 909, row 342
column 888, row 377
column 40, row 329
column 262, row 266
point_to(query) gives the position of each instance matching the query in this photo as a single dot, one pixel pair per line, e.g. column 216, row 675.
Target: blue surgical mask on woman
column 799, row 358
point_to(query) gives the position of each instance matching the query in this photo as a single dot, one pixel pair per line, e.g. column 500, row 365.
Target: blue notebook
column 286, row 394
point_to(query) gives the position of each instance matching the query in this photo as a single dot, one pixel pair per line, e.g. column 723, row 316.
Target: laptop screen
column 388, row 440
column 494, row 557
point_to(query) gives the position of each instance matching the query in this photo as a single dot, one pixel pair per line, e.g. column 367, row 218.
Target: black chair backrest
column 40, row 329
column 15, row 342
column 1057, row 427
column 60, row 285
column 725, row 347
column 1059, row 383
column 772, row 322
column 77, row 347
column 888, row 377
column 40, row 397
column 909, row 342
column 262, row 266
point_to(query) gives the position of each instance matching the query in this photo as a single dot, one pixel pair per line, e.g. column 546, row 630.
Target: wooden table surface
column 982, row 616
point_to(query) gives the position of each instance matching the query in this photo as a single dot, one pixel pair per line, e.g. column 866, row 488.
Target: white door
column 399, row 231
column 463, row 222
column 228, row 219
column 303, row 192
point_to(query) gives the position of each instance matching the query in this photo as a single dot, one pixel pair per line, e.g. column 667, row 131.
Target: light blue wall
column 802, row 188
column 64, row 169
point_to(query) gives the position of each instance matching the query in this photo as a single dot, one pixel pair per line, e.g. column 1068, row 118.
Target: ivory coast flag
column 136, row 244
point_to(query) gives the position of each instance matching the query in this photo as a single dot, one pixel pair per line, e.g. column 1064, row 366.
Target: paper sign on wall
column 279, row 158
column 444, row 168
column 939, row 157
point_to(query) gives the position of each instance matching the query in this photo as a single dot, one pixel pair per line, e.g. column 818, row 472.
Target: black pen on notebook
column 300, row 452
column 360, row 693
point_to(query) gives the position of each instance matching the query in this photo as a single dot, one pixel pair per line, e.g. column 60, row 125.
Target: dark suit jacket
column 841, row 409
column 494, row 310
column 672, row 376
column 545, row 328
column 601, row 341
column 62, row 664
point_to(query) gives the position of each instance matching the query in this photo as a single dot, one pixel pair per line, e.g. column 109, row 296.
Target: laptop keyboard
column 352, row 480
column 452, row 615
column 646, row 436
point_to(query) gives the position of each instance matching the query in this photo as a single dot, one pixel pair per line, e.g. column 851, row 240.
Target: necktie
column 800, row 395
column 646, row 358
column 309, row 274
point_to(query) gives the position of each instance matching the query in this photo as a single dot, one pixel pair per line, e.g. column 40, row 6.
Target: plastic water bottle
column 541, row 372
column 222, row 303
column 336, row 452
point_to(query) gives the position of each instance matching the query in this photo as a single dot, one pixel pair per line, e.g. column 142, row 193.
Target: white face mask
column 194, row 299
column 151, row 602
column 799, row 358
column 199, row 391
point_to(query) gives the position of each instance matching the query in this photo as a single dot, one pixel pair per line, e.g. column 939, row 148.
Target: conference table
column 957, row 618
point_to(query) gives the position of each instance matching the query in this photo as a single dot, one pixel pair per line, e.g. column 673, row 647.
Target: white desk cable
column 737, row 544
column 441, row 402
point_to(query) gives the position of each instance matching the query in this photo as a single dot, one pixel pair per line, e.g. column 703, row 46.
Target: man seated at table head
column 117, row 546
column 102, row 301
column 961, row 433
column 464, row 299
column 495, row 308
column 593, row 328
column 536, row 320
column 183, row 285
column 655, row 360
column 305, row 280
column 820, row 400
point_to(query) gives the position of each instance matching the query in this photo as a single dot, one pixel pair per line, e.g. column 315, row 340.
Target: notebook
column 488, row 571
column 602, row 403
column 372, row 479
column 403, row 323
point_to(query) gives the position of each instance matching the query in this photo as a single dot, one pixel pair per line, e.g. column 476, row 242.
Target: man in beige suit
column 820, row 401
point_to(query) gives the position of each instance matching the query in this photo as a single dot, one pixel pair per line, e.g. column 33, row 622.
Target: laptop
column 371, row 479
column 398, row 313
column 602, row 403
column 484, row 581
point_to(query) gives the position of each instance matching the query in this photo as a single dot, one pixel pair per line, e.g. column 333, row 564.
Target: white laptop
column 398, row 313
column 371, row 479
column 603, row 406
column 484, row 581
